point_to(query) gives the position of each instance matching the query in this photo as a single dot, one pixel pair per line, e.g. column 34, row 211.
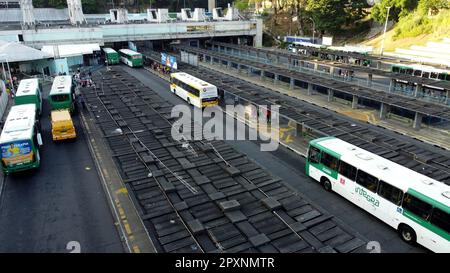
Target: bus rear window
column 16, row 152
column 58, row 98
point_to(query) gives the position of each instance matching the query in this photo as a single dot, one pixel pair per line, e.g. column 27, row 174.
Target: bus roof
column 193, row 81
column 61, row 85
column 129, row 52
column 386, row 170
column 27, row 87
column 19, row 123
column 109, row 50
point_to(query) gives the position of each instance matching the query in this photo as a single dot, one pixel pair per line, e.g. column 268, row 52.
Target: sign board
column 169, row 60
column 327, row 41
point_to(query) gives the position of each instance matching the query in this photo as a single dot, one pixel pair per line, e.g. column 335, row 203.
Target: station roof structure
column 17, row 52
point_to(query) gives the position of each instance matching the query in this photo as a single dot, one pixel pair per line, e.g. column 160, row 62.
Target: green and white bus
column 62, row 94
column 131, row 58
column 414, row 204
column 423, row 71
column 29, row 91
column 20, row 139
column 112, row 57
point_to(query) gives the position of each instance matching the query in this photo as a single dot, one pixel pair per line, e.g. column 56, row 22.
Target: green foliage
column 418, row 23
column 399, row 9
column 241, row 4
column 332, row 15
column 434, row 5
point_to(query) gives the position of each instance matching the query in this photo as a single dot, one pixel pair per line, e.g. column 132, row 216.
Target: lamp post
column 384, row 33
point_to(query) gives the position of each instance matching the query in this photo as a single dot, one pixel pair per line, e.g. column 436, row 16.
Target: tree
column 399, row 9
column 328, row 15
column 241, row 4
column 432, row 5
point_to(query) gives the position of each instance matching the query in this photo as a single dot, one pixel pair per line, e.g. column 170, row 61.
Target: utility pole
column 385, row 27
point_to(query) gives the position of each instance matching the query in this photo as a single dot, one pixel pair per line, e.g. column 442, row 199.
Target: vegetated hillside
column 416, row 28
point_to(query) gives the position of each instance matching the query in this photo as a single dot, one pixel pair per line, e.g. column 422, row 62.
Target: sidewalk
column 431, row 135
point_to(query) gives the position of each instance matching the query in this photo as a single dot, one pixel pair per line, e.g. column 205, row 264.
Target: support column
column 330, row 95
column 332, row 71
column 239, row 68
column 249, row 71
column 275, row 78
column 204, row 58
column 261, row 75
column 369, row 79
column 418, row 90
column 291, row 83
column 228, row 65
column 384, row 109
column 447, row 97
column 379, row 65
column 417, row 121
column 211, row 59
column 316, row 66
column 355, row 102
column 277, row 59
column 391, row 85
column 310, row 89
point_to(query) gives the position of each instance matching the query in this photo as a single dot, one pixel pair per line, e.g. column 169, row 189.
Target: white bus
column 414, row 204
column 193, row 90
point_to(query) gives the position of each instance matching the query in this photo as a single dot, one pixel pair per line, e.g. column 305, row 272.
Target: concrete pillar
column 204, row 58
column 261, row 75
column 369, row 79
column 330, row 95
column 239, row 68
column 249, row 71
column 332, row 71
column 275, row 78
column 211, row 60
column 228, row 65
column 384, row 109
column 417, row 121
column 310, row 88
column 291, row 83
column 316, row 66
column 391, row 85
column 355, row 102
column 447, row 97
column 418, row 90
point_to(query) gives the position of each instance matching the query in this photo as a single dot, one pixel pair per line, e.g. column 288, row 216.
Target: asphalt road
column 61, row 202
column 290, row 167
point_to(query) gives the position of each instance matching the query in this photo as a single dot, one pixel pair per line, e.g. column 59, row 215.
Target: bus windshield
column 60, row 98
column 17, row 152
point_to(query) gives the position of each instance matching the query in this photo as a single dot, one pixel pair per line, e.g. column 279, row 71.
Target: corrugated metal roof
column 40, row 14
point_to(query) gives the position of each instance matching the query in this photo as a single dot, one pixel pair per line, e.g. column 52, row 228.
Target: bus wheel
column 407, row 233
column 326, row 184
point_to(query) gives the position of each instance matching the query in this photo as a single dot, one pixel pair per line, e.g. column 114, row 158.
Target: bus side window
column 441, row 219
column 417, row 206
column 347, row 170
column 329, row 161
column 367, row 181
column 314, row 155
column 390, row 193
